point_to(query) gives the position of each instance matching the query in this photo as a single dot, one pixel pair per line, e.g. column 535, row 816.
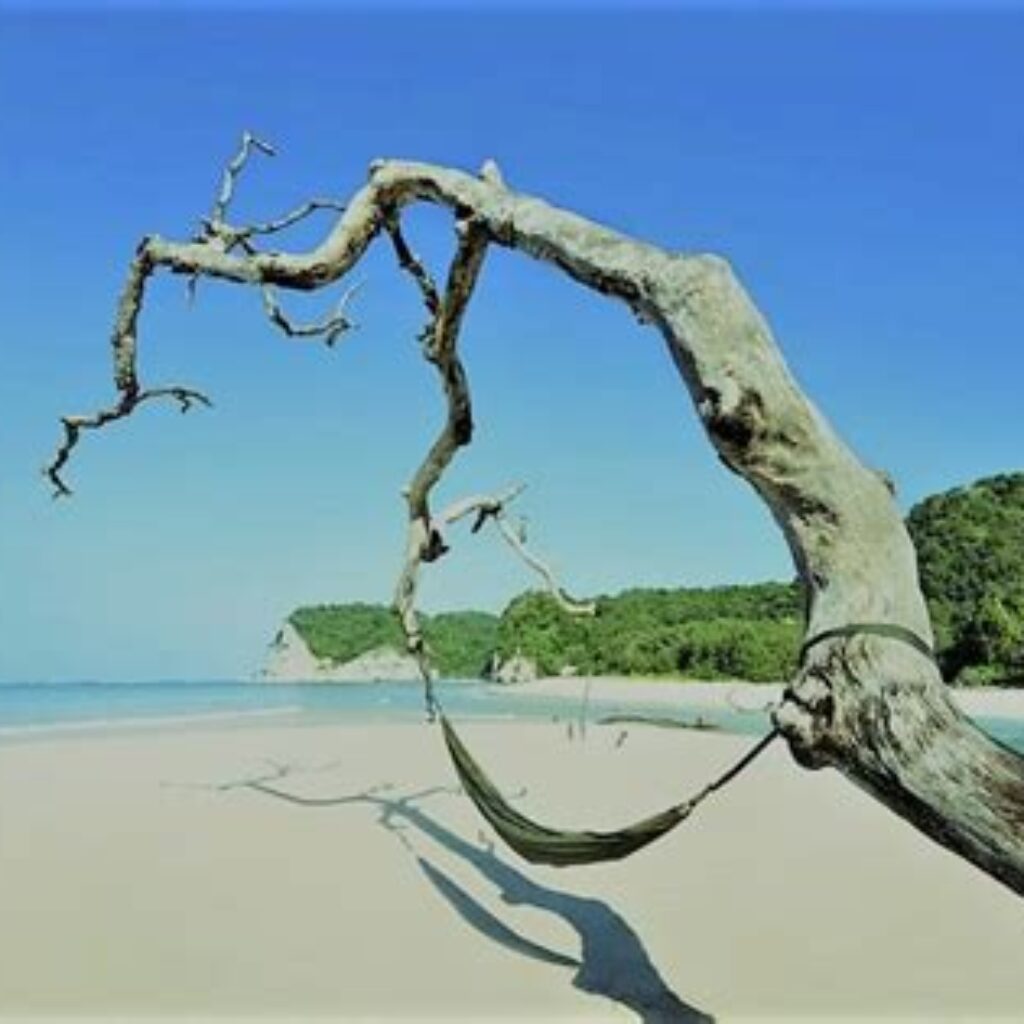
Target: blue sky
column 863, row 170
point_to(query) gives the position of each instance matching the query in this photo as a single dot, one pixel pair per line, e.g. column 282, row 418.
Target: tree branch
column 301, row 212
column 330, row 328
column 248, row 146
column 564, row 601
column 424, row 543
column 872, row 707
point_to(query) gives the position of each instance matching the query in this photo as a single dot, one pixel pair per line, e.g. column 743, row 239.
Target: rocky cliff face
column 291, row 661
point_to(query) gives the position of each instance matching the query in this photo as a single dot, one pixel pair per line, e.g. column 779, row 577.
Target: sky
column 862, row 168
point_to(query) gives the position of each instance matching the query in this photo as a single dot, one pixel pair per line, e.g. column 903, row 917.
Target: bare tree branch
column 565, row 602
column 74, row 425
column 234, row 168
column 271, row 227
column 424, row 542
column 412, row 264
column 330, row 328
column 217, row 236
column 867, row 704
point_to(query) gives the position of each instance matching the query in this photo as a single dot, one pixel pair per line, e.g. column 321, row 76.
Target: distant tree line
column 737, row 632
column 970, row 544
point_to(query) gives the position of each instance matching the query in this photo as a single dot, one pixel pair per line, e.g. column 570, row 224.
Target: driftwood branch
column 330, row 328
column 869, row 705
column 74, row 425
column 249, row 145
column 424, row 541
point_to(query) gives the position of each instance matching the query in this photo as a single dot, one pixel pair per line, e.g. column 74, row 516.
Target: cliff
column 291, row 661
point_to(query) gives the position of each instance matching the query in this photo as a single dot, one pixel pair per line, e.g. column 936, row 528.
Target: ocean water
column 40, row 709
column 37, row 710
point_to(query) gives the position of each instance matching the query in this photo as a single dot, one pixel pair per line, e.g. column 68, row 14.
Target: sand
column 991, row 701
column 139, row 877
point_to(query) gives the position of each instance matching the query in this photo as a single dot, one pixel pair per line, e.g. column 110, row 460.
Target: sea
column 33, row 711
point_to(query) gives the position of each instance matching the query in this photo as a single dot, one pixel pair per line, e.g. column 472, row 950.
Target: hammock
column 540, row 844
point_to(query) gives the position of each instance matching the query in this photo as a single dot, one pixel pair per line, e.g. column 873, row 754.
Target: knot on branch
column 488, row 510
column 735, row 419
column 804, row 716
column 434, row 547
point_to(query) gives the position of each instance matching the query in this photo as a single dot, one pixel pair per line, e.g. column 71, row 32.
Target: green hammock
column 540, row 844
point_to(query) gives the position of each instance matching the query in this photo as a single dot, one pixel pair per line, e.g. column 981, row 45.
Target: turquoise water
column 36, row 710
column 39, row 709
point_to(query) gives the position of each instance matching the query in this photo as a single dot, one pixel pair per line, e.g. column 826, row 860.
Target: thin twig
column 74, row 425
column 565, row 601
column 330, row 328
column 231, row 173
column 270, row 227
column 411, row 263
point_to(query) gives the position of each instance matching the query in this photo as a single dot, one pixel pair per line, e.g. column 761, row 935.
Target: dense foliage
column 726, row 632
column 970, row 545
column 739, row 632
column 461, row 642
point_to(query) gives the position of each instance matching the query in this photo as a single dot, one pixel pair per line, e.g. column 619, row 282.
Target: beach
column 739, row 695
column 305, row 870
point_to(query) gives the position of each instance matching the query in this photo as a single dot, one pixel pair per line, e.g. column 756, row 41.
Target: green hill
column 736, row 632
column 970, row 544
column 747, row 632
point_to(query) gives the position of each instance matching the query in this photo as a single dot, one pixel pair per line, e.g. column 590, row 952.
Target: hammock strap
column 886, row 629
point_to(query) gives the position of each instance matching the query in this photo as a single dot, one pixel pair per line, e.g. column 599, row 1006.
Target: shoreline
column 730, row 707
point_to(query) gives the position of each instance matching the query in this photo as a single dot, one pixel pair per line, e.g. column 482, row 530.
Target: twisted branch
column 74, row 425
column 217, row 236
column 879, row 713
column 424, row 541
column 330, row 328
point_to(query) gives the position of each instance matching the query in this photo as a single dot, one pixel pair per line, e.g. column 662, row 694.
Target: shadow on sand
column 612, row 963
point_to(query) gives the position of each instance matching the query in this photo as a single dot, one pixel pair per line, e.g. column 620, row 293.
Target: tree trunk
column 870, row 705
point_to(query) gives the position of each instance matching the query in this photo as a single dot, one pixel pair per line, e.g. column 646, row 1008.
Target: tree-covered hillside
column 738, row 632
column 970, row 545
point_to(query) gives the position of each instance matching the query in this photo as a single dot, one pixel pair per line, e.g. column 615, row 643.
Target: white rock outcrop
column 291, row 661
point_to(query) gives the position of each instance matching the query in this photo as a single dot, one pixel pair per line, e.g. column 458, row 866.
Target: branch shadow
column 613, row 962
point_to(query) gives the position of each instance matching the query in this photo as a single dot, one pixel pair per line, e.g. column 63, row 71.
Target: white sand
column 127, row 887
column 991, row 701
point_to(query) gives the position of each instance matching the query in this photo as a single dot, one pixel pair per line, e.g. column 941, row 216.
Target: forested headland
column 970, row 544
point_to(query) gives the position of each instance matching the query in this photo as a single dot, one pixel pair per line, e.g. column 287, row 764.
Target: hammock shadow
column 613, row 962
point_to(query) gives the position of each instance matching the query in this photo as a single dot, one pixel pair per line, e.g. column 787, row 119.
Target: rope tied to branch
column 889, row 630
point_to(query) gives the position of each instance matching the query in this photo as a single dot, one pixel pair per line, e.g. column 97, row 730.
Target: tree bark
column 869, row 705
